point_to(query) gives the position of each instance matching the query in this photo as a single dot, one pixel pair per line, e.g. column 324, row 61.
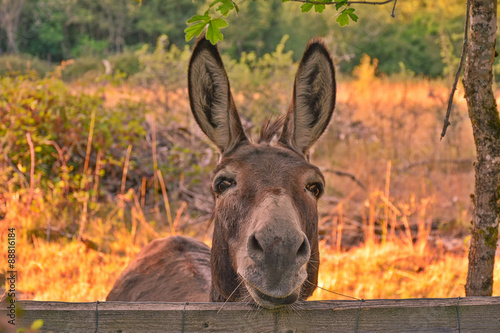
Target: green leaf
column 213, row 32
column 319, row 8
column 353, row 16
column 194, row 30
column 197, row 18
column 37, row 324
column 306, row 7
column 219, row 23
column 197, row 28
column 213, row 3
column 343, row 19
column 340, row 3
column 225, row 7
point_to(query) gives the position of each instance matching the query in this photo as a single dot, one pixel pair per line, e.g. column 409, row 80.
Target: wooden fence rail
column 471, row 314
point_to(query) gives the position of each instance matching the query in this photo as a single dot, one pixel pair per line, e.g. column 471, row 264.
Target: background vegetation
column 99, row 153
column 424, row 36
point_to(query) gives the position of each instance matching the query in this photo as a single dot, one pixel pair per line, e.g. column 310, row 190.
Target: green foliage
column 425, row 35
column 36, row 325
column 254, row 76
column 83, row 67
column 24, row 64
column 343, row 18
column 126, row 63
column 417, row 47
column 199, row 22
column 165, row 65
column 59, row 124
column 87, row 47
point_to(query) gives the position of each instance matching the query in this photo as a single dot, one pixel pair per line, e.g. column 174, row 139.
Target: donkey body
column 265, row 241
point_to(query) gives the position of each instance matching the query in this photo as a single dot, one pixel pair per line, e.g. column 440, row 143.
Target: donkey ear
column 313, row 99
column 210, row 97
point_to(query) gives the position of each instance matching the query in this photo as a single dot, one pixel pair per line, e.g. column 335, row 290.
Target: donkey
column 265, row 239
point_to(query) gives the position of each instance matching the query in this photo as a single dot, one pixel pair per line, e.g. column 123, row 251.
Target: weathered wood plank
column 477, row 314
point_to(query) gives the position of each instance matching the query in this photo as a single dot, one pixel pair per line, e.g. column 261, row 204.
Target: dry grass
column 68, row 270
column 394, row 270
column 381, row 129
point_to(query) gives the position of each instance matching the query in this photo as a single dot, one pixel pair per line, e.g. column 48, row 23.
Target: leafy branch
column 198, row 23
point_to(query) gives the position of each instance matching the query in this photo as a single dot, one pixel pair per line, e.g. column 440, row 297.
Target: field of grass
column 394, row 221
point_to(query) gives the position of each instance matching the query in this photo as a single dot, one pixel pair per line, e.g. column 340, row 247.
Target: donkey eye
column 315, row 188
column 223, row 184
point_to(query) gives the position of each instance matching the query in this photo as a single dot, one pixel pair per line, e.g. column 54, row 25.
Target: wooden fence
column 470, row 314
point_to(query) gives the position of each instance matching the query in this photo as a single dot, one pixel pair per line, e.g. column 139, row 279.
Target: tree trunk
column 10, row 14
column 486, row 129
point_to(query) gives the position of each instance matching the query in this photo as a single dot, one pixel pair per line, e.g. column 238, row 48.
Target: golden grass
column 69, row 271
column 405, row 118
column 394, row 270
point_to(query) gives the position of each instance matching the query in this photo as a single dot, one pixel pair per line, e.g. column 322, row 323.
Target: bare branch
column 346, row 174
column 457, row 75
column 394, row 8
column 409, row 166
column 348, row 2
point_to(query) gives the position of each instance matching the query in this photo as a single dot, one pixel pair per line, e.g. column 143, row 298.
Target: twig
column 155, row 164
column 143, row 191
column 125, row 169
column 425, row 162
column 22, row 177
column 177, row 220
column 140, row 216
column 89, row 143
column 95, row 192
column 394, row 8
column 166, row 202
column 346, row 174
column 32, row 169
column 83, row 222
column 348, row 2
column 457, row 74
column 64, row 165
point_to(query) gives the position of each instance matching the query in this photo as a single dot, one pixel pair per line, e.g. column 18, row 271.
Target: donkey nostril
column 254, row 244
column 303, row 249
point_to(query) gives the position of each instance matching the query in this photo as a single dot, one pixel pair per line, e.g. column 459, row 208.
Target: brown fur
column 161, row 267
column 265, row 241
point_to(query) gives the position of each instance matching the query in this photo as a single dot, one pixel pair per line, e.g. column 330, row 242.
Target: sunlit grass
column 69, row 271
column 393, row 270
column 384, row 126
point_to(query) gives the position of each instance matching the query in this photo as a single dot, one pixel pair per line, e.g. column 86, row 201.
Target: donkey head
column 265, row 242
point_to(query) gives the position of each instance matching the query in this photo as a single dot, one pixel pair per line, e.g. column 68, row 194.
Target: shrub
column 59, row 124
column 83, row 67
column 126, row 63
column 165, row 66
column 24, row 64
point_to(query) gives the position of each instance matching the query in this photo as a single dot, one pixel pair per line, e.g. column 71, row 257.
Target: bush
column 260, row 82
column 126, row 63
column 24, row 64
column 166, row 66
column 83, row 67
column 59, row 124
